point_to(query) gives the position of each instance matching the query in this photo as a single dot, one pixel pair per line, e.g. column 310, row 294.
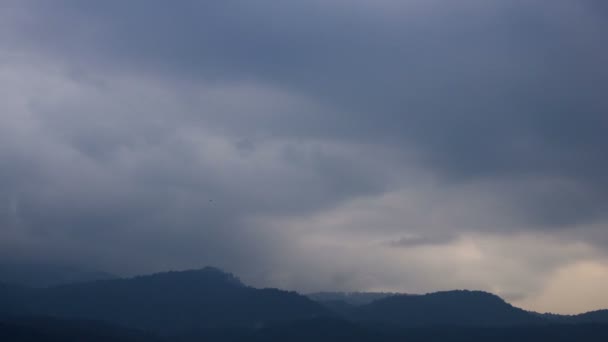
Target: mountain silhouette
column 449, row 308
column 212, row 305
column 599, row 316
column 171, row 301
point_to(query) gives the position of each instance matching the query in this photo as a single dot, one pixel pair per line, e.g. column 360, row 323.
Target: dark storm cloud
column 104, row 174
column 483, row 89
column 197, row 132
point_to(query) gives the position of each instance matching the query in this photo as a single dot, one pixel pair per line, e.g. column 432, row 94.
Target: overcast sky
column 406, row 146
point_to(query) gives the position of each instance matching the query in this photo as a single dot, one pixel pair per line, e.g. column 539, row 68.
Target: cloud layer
column 407, row 146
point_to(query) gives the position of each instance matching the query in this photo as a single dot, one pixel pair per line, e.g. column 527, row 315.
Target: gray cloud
column 255, row 133
column 483, row 90
column 414, row 241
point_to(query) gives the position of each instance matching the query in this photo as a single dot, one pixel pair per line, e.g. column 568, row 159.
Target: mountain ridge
column 210, row 299
column 457, row 307
column 177, row 301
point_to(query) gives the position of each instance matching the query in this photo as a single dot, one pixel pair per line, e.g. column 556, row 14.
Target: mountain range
column 209, row 304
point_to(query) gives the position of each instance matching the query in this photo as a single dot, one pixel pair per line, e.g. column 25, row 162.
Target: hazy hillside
column 351, row 298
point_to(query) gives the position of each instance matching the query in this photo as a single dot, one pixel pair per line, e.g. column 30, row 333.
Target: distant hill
column 351, row 298
column 450, row 308
column 342, row 303
column 599, row 316
column 45, row 275
column 172, row 301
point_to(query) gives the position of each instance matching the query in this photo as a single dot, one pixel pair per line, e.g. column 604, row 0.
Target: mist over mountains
column 214, row 305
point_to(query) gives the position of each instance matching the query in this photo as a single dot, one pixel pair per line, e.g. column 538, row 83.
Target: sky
column 382, row 145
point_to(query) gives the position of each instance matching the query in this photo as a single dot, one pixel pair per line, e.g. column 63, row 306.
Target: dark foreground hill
column 45, row 329
column 327, row 330
column 319, row 330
